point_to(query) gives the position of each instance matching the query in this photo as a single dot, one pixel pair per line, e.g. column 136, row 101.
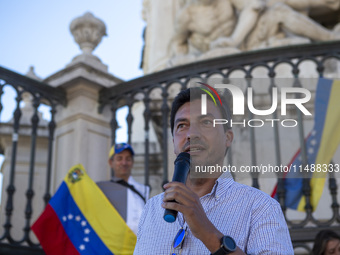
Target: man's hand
column 188, row 203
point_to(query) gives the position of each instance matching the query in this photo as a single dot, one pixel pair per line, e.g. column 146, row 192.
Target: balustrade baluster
column 165, row 112
column 11, row 188
column 51, row 128
column 254, row 175
column 147, row 117
column 129, row 119
column 1, row 92
column 30, row 191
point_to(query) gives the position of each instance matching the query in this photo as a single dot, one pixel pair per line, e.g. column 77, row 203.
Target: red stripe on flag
column 274, row 191
column 52, row 235
column 285, row 174
column 289, row 167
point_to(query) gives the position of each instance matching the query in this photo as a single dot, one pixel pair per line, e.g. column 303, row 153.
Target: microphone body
column 182, row 167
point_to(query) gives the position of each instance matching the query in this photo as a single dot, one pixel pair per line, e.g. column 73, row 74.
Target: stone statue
column 199, row 23
column 304, row 6
column 210, row 28
column 279, row 24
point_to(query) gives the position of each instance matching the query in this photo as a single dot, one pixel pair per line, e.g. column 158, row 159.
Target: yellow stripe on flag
column 329, row 143
column 99, row 212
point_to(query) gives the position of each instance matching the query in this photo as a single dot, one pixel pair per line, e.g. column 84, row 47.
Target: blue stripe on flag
column 80, row 232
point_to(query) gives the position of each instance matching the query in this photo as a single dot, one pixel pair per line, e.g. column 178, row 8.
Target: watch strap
column 224, row 250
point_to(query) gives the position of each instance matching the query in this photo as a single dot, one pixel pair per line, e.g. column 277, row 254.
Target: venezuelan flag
column 79, row 219
column 321, row 144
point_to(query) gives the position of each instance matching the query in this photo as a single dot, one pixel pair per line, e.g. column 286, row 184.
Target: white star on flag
column 86, row 231
column 86, row 239
column 64, row 218
column 70, row 216
column 78, row 218
column 83, row 223
column 82, row 247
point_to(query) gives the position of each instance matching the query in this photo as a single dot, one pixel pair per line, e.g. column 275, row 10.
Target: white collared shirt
column 251, row 217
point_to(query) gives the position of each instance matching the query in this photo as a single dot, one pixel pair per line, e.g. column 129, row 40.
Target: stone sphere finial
column 87, row 31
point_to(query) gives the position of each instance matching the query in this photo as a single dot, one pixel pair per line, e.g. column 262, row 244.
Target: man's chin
column 124, row 174
column 197, row 161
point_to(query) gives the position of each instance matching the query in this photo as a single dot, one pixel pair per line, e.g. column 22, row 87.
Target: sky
column 36, row 33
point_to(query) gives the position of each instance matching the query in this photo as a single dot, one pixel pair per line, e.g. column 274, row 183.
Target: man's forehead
column 193, row 109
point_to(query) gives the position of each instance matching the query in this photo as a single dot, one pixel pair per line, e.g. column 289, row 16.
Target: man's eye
column 207, row 122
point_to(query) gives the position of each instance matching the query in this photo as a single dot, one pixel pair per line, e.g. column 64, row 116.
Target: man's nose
column 125, row 161
column 193, row 132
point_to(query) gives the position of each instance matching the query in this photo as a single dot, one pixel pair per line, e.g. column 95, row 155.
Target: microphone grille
column 183, row 156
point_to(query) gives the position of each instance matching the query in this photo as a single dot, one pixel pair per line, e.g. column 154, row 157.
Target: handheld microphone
column 182, row 166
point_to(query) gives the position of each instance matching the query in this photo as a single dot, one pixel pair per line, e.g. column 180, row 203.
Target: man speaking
column 216, row 215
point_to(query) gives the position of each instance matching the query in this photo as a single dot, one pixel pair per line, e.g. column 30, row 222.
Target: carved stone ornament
column 87, row 31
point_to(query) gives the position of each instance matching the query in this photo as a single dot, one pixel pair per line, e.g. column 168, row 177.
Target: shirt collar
column 221, row 185
column 131, row 179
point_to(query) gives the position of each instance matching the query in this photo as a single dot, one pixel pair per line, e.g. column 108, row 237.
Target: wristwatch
column 228, row 245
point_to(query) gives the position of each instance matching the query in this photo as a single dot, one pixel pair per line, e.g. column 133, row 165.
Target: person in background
column 326, row 242
column 125, row 194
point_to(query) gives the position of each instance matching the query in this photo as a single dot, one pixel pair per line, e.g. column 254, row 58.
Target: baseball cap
column 119, row 147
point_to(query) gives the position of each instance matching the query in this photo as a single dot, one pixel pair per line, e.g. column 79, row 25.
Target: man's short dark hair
column 191, row 94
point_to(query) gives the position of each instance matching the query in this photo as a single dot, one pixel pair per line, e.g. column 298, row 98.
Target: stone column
column 82, row 134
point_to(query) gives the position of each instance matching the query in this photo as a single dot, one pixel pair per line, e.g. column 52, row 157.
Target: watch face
column 229, row 243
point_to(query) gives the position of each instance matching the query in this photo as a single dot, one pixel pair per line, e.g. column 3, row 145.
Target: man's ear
column 229, row 137
column 110, row 162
